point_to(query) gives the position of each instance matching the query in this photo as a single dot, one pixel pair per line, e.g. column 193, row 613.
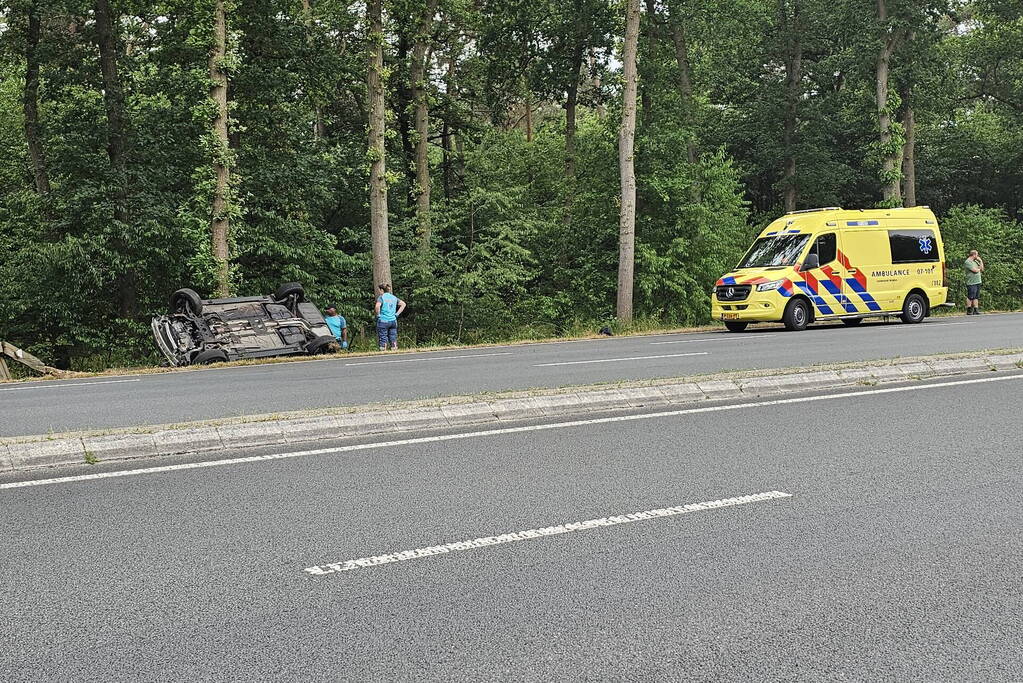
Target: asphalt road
column 898, row 556
column 42, row 407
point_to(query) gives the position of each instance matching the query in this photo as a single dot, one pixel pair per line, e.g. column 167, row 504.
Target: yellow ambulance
column 835, row 264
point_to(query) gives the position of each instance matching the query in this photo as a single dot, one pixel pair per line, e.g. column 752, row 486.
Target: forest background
column 471, row 149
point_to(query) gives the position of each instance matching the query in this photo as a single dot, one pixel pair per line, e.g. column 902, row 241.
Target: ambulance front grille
column 732, row 292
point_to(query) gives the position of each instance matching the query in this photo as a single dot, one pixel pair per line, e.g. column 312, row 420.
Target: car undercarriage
column 202, row 331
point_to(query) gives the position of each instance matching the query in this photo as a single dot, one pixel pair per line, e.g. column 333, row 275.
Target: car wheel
column 797, row 315
column 209, row 357
column 914, row 309
column 736, row 326
column 320, row 345
column 289, row 289
column 186, row 299
column 851, row 322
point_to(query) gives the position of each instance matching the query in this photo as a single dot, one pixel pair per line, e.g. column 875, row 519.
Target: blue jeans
column 387, row 332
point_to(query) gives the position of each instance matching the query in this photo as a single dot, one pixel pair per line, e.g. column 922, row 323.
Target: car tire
column 797, row 315
column 851, row 322
column 320, row 345
column 209, row 357
column 914, row 309
column 736, row 326
column 289, row 289
column 186, row 299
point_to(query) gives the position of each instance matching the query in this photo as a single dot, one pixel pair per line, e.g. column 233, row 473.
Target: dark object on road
column 201, row 331
column 606, row 331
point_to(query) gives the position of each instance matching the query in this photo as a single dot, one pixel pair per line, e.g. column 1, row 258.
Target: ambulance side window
column 826, row 248
column 913, row 246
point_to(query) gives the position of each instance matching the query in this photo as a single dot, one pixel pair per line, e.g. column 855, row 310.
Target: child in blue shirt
column 338, row 326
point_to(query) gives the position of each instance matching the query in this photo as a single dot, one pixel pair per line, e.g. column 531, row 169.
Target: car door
column 822, row 283
column 862, row 258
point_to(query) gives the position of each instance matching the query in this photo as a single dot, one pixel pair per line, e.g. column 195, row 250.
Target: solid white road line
column 619, row 360
column 495, row 432
column 542, row 532
column 63, row 385
column 425, row 360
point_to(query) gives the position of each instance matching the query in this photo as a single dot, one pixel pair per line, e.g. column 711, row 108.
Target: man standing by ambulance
column 974, row 266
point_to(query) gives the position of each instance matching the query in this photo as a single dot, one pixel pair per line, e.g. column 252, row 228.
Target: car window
column 826, row 248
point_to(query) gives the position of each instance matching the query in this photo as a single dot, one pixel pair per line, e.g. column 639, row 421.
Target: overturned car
column 201, row 331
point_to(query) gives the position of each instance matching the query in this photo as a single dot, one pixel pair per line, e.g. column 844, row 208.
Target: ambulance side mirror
column 812, row 261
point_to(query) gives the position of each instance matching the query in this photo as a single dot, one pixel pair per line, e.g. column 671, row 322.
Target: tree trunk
column 793, row 92
column 445, row 145
column 909, row 150
column 377, row 151
column 529, row 113
column 403, row 114
column 596, row 84
column 891, row 156
column 30, row 101
column 113, row 98
column 220, row 223
column 685, row 81
column 571, row 105
column 421, row 98
column 652, row 36
column 445, row 137
column 627, row 166
column 319, row 127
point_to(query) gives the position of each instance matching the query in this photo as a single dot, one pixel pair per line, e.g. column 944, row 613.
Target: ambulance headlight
column 770, row 286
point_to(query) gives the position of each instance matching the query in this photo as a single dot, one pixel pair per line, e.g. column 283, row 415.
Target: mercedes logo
column 730, row 292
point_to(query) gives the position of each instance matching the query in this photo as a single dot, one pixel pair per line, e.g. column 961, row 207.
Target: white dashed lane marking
column 542, row 532
column 64, row 385
column 620, row 360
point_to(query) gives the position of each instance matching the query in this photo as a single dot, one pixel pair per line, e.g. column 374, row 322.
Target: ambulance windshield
column 783, row 250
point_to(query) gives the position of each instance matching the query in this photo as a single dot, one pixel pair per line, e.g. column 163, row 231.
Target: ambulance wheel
column 914, row 309
column 797, row 315
column 736, row 326
column 852, row 322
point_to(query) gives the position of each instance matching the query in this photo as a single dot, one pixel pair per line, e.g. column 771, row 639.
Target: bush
column 999, row 240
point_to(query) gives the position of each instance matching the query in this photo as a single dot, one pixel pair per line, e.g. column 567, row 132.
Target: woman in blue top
column 388, row 308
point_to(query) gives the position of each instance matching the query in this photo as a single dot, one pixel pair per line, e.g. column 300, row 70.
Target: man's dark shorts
column 972, row 292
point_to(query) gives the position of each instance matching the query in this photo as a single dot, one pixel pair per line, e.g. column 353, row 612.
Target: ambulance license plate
column 729, row 316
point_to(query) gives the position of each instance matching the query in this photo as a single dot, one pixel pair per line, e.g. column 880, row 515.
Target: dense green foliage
column 523, row 243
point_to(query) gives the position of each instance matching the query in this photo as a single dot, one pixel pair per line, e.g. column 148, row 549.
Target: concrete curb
column 33, row 452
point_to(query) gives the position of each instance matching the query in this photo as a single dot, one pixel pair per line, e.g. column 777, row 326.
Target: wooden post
column 5, row 373
column 26, row 359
